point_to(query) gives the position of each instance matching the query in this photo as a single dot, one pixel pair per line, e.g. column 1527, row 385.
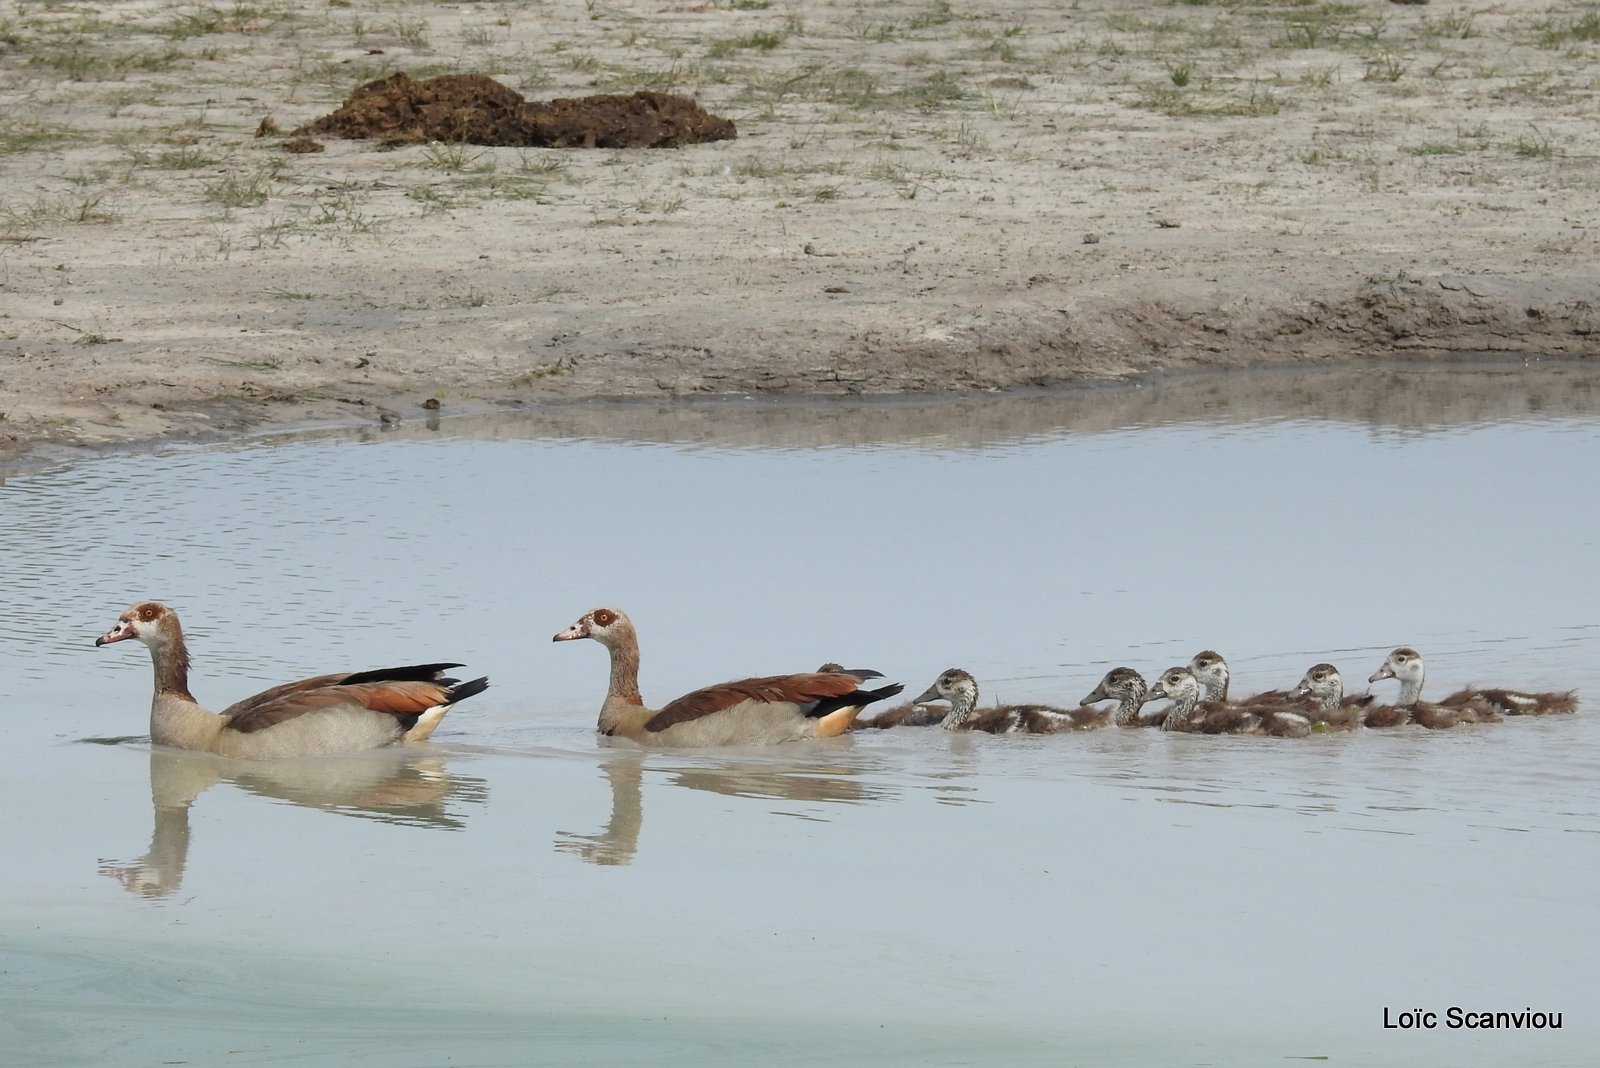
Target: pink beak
column 119, row 633
column 577, row 630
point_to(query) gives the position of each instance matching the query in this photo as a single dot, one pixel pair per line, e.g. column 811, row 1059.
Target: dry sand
column 922, row 196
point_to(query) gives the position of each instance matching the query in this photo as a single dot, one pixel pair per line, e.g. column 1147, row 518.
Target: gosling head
column 1211, row 671
column 953, row 685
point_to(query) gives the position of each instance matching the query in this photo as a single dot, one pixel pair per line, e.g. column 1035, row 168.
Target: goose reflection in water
column 407, row 787
column 624, row 770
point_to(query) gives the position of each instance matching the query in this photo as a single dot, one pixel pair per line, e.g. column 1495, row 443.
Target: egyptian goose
column 960, row 689
column 1211, row 672
column 910, row 714
column 1332, row 710
column 1128, row 688
column 1405, row 665
column 338, row 713
column 1187, row 712
column 906, row 715
column 777, row 708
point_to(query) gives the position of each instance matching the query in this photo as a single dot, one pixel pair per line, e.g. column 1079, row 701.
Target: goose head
column 953, row 685
column 1177, row 684
column 1404, row 664
column 1323, row 684
column 1121, row 684
column 149, row 621
column 1210, row 670
column 608, row 626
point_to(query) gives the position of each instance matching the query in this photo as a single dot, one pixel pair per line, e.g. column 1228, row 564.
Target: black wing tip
column 408, row 673
column 463, row 690
column 863, row 673
column 857, row 699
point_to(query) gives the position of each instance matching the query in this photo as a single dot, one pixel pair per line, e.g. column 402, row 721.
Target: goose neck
column 1182, row 708
column 962, row 703
column 1128, row 707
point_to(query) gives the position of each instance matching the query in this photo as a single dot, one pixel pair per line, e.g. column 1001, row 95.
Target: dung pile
column 399, row 110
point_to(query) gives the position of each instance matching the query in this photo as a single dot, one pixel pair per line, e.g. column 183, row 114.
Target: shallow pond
column 517, row 892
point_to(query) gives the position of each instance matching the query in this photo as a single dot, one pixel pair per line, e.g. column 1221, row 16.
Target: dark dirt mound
column 478, row 110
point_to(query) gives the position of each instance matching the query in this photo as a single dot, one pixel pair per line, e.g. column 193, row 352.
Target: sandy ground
column 922, row 196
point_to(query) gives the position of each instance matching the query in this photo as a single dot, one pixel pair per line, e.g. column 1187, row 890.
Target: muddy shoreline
column 988, row 199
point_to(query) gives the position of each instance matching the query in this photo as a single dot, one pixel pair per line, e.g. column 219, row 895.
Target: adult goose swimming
column 759, row 711
column 339, row 713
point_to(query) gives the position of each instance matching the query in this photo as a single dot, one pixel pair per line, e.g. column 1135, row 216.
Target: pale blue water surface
column 518, row 893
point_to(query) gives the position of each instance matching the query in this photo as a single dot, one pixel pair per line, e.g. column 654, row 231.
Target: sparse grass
column 1323, row 25
column 1322, row 77
column 83, row 62
column 1453, row 24
column 241, row 17
column 1385, row 67
column 30, row 135
column 762, row 40
column 186, row 158
column 433, row 199
column 529, row 189
column 1258, row 99
column 1559, row 32
column 665, row 204
column 660, row 78
column 937, row 14
column 550, row 163
column 269, row 364
column 58, row 208
column 456, row 156
column 930, row 94
column 1534, row 146
column 410, row 31
column 239, row 190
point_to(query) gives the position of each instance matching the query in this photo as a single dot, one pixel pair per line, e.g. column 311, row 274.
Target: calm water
column 518, row 893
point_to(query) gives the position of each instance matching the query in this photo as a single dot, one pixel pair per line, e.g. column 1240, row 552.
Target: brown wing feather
column 390, row 698
column 279, row 692
column 405, row 673
column 772, row 689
